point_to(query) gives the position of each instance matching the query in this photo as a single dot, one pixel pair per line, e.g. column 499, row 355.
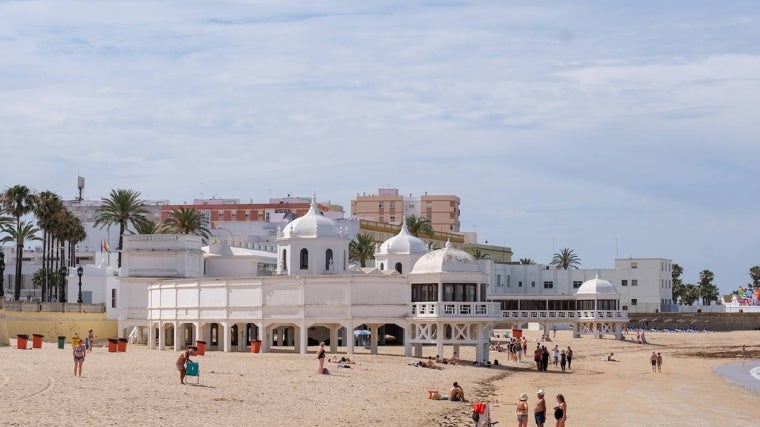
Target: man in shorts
column 539, row 411
column 653, row 361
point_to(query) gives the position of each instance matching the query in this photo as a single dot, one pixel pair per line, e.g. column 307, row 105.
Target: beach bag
column 475, row 416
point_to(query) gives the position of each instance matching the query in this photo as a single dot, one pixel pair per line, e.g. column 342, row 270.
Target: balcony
column 451, row 309
column 559, row 315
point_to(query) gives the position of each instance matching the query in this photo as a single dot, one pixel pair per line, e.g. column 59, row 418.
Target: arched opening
column 328, row 260
column 399, row 267
column 284, row 260
column 304, row 259
column 382, row 266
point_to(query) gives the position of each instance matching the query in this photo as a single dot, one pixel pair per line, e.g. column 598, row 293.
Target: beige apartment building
column 388, row 206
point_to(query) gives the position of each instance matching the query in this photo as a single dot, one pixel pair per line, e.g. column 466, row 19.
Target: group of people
column 539, row 410
column 561, row 358
column 514, row 348
column 80, row 351
column 656, row 361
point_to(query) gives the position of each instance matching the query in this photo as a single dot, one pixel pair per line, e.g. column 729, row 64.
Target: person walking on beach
column 79, row 355
column 90, row 340
column 539, row 411
column 569, row 357
column 560, row 411
column 182, row 361
column 744, row 351
column 555, row 356
column 321, row 358
column 653, row 361
column 659, row 363
column 563, row 360
column 522, row 411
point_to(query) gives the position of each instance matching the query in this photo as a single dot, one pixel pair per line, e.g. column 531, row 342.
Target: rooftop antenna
column 80, row 186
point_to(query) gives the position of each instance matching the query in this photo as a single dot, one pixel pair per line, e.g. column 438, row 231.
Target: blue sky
column 609, row 129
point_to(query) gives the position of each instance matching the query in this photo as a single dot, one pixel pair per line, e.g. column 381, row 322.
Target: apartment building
column 388, row 206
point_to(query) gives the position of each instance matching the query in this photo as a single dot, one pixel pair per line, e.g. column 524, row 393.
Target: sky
column 614, row 130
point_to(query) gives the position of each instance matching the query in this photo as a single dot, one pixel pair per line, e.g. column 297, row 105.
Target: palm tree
column 690, row 294
column 4, row 221
column 150, row 227
column 18, row 201
column 188, row 221
column 706, row 290
column 122, row 207
column 46, row 210
column 361, row 249
column 478, row 254
column 19, row 233
column 677, row 286
column 754, row 274
column 527, row 261
column 419, row 226
column 566, row 259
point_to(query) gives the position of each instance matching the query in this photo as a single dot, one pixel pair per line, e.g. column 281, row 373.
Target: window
column 399, row 267
column 382, row 266
column 382, row 218
column 585, row 305
column 624, row 282
column 424, row 292
column 498, row 280
column 392, row 205
column 410, row 206
column 329, row 260
column 304, row 259
column 577, row 284
column 634, row 301
column 548, row 285
column 284, row 260
column 247, row 214
column 459, row 292
column 634, row 282
column 393, row 218
column 533, row 284
column 113, row 298
column 380, row 205
column 267, row 217
column 519, row 284
column 221, row 214
column 634, row 265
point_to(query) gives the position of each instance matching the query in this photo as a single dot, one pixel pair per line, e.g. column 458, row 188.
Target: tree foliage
column 566, row 259
column 361, row 249
column 188, row 221
column 419, row 226
column 122, row 207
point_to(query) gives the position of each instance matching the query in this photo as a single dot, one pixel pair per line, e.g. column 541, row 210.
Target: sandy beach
column 141, row 386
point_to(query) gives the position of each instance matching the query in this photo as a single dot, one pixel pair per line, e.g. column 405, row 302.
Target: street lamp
column 2, row 272
column 80, row 271
column 64, row 270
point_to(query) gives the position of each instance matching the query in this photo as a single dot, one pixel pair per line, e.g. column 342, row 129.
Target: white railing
column 563, row 315
column 455, row 309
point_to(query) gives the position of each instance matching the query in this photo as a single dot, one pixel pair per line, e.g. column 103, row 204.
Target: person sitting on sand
column 610, row 358
column 454, row 360
column 431, row 363
column 456, row 394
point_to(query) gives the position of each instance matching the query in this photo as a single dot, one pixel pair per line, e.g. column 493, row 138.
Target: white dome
column 446, row 260
column 597, row 286
column 311, row 225
column 403, row 243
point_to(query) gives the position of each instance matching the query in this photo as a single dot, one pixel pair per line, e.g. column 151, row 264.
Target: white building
column 644, row 284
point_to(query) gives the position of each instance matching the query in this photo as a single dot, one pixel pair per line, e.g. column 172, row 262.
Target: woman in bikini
column 79, row 355
column 522, row 411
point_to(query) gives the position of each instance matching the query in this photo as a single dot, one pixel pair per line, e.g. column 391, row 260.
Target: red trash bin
column 255, row 346
column 201, row 348
column 37, row 340
column 122, row 345
column 516, row 333
column 113, row 345
column 21, row 340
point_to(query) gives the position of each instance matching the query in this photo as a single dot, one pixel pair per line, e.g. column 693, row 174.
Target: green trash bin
column 61, row 342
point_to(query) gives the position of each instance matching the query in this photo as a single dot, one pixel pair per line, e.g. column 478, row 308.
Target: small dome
column 446, row 260
column 597, row 286
column 311, row 225
column 403, row 243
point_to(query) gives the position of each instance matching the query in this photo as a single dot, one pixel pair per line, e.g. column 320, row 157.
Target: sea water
column 745, row 373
